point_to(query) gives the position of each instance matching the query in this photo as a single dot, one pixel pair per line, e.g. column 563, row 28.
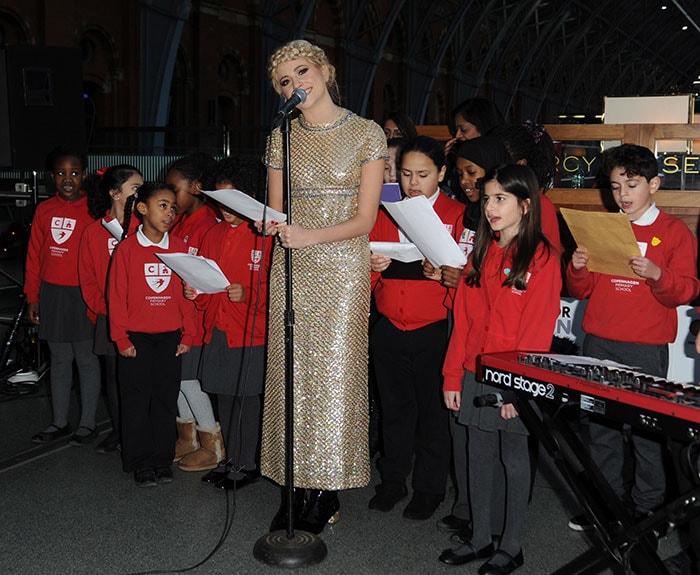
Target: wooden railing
column 683, row 204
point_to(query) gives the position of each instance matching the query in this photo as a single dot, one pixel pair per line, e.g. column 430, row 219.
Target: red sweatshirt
column 550, row 223
column 54, row 243
column 412, row 304
column 192, row 229
column 95, row 254
column 144, row 295
column 639, row 310
column 238, row 251
column 494, row 318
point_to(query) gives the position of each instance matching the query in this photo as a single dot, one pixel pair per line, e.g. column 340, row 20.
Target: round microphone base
column 301, row 550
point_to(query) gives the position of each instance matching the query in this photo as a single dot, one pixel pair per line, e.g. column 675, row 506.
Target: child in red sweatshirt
column 51, row 285
column 116, row 185
column 153, row 325
column 632, row 320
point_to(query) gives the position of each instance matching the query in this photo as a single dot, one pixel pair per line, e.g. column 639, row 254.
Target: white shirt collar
column 146, row 243
column 648, row 217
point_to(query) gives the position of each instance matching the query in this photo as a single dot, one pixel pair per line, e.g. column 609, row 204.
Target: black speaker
column 41, row 104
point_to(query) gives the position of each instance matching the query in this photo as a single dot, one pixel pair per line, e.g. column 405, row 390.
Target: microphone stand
column 289, row 548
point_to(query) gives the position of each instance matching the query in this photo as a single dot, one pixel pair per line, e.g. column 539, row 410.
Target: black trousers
column 414, row 419
column 148, row 388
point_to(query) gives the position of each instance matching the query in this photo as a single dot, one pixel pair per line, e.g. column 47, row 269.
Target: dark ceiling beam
column 531, row 60
column 363, row 60
column 467, row 43
column 566, row 54
column 277, row 31
column 420, row 93
column 506, row 29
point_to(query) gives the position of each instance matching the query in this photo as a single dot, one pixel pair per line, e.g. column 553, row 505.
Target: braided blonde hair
column 308, row 51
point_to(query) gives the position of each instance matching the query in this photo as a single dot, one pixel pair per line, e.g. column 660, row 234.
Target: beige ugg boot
column 186, row 438
column 210, row 452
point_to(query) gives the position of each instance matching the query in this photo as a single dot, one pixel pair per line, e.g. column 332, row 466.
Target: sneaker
column 24, row 376
column 145, row 477
column 164, row 475
column 580, row 523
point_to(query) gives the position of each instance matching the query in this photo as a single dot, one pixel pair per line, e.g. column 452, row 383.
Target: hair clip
column 101, row 171
column 536, row 130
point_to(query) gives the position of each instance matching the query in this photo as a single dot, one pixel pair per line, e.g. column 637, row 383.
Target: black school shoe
column 506, row 563
column 51, row 433
column 422, row 505
column 451, row 524
column 388, row 495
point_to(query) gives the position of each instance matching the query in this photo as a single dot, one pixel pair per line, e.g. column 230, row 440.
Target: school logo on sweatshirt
column 255, row 258
column 62, row 229
column 157, row 276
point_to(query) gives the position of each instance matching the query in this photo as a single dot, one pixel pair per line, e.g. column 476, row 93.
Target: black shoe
column 164, row 475
column 321, row 508
column 422, row 505
column 83, row 438
column 238, row 479
column 512, row 563
column 51, row 433
column 145, row 477
column 388, row 495
column 279, row 521
column 109, row 444
column 452, row 523
column 460, row 556
column 218, row 473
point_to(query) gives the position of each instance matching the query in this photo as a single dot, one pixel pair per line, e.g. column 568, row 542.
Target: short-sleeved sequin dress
column 331, row 293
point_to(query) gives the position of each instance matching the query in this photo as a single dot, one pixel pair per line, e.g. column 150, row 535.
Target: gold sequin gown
column 331, row 292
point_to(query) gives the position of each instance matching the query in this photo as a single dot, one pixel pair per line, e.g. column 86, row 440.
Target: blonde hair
column 308, row 51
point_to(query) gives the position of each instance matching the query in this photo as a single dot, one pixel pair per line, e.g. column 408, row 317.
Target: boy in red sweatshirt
column 632, row 320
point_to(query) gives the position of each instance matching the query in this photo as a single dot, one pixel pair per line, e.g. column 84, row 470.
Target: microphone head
column 300, row 94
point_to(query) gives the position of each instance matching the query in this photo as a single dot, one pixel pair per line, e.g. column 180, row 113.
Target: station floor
column 69, row 510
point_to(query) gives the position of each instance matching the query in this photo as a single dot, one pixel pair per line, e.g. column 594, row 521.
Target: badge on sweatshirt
column 62, row 229
column 157, row 276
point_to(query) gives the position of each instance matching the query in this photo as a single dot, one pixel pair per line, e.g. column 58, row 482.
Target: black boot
column 279, row 521
column 321, row 508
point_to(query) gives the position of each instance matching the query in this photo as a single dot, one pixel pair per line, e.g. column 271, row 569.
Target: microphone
column 495, row 399
column 298, row 97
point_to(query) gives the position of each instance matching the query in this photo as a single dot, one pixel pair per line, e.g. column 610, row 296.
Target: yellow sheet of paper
column 608, row 238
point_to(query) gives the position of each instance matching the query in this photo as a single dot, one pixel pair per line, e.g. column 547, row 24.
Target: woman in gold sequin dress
column 337, row 166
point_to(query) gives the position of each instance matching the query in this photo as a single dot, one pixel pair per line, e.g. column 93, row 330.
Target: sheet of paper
column 113, row 227
column 401, row 251
column 201, row 273
column 608, row 238
column 244, row 205
column 422, row 225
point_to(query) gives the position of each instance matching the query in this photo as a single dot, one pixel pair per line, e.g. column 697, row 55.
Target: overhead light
column 684, row 28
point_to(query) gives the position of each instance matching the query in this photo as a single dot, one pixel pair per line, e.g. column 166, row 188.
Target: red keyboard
column 620, row 394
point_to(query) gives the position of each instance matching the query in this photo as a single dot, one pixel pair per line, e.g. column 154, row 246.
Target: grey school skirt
column 231, row 370
column 485, row 418
column 63, row 314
